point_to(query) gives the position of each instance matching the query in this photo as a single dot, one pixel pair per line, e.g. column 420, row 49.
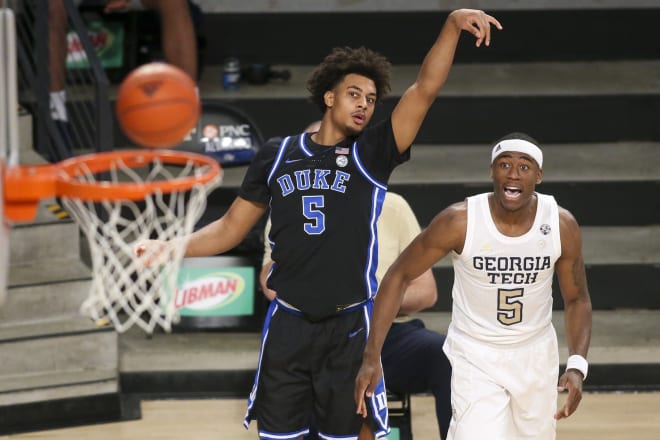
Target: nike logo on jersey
column 356, row 332
column 293, row 160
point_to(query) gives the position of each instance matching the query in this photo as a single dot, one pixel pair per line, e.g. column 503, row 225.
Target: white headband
column 519, row 146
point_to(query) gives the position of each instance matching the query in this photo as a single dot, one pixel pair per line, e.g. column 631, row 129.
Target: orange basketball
column 157, row 105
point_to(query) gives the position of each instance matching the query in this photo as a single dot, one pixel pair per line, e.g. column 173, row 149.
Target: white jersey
column 502, row 290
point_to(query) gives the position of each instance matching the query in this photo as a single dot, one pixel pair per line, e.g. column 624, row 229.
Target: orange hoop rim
column 69, row 169
column 25, row 185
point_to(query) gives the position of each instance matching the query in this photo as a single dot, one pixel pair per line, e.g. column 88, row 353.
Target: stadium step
column 46, row 240
column 52, row 301
column 56, row 385
column 58, row 373
column 58, row 368
column 404, row 31
column 58, row 270
column 554, row 101
column 64, row 345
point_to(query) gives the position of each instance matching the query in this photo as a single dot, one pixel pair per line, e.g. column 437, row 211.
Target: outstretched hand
column 571, row 380
column 153, row 252
column 365, row 382
column 476, row 22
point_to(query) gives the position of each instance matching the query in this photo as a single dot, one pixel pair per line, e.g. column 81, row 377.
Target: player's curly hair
column 342, row 61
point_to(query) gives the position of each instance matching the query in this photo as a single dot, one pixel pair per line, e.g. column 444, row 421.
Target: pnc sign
column 224, row 133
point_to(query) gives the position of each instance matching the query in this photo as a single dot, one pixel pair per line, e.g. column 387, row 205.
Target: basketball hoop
column 119, row 199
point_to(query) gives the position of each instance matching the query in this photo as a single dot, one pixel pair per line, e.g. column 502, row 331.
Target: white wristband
column 577, row 362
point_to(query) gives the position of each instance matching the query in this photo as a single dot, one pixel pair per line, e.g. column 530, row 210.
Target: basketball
column 157, row 105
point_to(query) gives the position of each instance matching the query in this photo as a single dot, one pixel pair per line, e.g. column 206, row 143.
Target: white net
column 125, row 290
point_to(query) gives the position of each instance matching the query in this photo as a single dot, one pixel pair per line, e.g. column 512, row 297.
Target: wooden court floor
column 601, row 416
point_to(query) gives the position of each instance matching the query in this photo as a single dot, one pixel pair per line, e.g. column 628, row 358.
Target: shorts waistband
column 286, row 305
column 345, row 309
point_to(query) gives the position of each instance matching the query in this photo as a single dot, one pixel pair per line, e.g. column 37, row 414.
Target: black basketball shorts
column 307, row 372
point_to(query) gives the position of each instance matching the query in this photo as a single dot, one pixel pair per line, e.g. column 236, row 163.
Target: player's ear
column 329, row 98
column 539, row 176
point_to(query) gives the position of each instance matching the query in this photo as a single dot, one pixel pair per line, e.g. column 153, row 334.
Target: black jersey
column 324, row 205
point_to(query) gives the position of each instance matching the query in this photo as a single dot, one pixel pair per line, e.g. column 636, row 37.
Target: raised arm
column 411, row 109
column 577, row 304
column 445, row 233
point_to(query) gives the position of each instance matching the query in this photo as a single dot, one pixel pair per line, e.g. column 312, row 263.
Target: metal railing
column 90, row 124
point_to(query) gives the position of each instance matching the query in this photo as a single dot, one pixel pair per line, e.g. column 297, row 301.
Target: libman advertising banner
column 215, row 286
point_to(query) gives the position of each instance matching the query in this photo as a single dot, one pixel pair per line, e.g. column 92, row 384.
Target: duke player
column 325, row 192
column 505, row 247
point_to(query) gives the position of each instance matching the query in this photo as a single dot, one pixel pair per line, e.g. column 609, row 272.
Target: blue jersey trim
column 278, row 158
column 272, row 309
column 363, row 170
column 304, row 147
column 380, row 413
column 264, row 435
column 377, row 199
